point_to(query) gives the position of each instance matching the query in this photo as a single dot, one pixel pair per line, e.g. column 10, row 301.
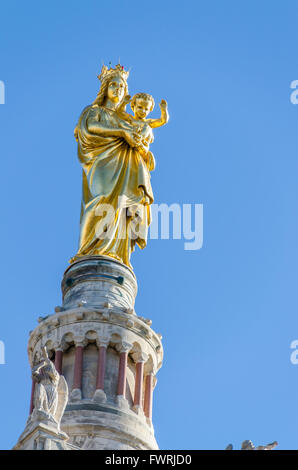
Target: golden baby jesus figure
column 142, row 104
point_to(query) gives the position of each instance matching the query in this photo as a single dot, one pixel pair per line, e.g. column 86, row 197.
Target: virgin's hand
column 126, row 99
column 132, row 138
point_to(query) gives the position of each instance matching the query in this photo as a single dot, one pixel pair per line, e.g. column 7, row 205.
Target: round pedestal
column 97, row 280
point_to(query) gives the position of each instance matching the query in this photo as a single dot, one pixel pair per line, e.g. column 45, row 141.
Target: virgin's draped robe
column 116, row 174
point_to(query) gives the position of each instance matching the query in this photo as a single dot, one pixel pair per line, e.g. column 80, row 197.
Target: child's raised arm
column 163, row 118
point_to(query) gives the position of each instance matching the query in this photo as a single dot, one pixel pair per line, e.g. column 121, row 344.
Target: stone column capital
column 125, row 347
column 102, row 341
column 79, row 341
column 57, row 346
column 140, row 357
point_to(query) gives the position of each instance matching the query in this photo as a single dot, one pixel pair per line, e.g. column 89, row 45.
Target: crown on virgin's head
column 105, row 72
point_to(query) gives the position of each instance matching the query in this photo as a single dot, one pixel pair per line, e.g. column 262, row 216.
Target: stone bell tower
column 108, row 355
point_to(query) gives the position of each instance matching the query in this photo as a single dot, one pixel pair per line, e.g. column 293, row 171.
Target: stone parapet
column 59, row 331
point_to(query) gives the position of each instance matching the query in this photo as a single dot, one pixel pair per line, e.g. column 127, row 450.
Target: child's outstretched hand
column 163, row 105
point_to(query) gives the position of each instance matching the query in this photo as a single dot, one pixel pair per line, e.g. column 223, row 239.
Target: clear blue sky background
column 227, row 312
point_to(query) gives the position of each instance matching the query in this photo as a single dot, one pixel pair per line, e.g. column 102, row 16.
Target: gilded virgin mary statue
column 113, row 149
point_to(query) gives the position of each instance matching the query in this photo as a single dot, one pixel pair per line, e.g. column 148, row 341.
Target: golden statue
column 113, row 149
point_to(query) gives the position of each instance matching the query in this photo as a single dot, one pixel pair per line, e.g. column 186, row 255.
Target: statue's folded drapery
column 114, row 174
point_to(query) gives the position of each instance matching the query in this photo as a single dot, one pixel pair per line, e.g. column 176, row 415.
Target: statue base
column 98, row 282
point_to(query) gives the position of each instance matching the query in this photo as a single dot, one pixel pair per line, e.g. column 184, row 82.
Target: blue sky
column 227, row 312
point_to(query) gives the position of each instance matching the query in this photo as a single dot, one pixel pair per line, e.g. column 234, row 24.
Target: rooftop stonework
column 107, row 354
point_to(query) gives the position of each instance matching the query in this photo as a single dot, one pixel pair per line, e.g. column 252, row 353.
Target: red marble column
column 32, row 397
column 78, row 368
column 148, row 396
column 101, row 367
column 139, row 384
column 121, row 389
column 58, row 360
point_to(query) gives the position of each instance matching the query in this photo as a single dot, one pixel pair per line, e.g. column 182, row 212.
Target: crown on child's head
column 119, row 70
